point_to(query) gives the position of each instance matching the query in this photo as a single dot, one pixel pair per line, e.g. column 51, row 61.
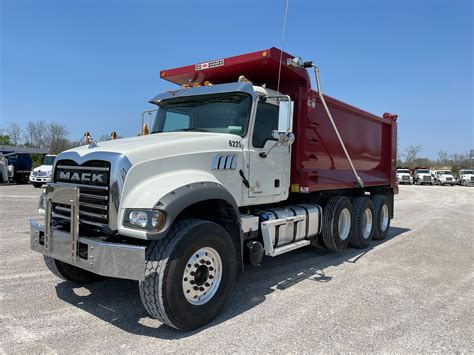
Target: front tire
column 37, row 184
column 69, row 272
column 189, row 274
column 337, row 223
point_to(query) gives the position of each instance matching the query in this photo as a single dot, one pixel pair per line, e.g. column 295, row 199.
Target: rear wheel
column 189, row 274
column 362, row 222
column 70, row 273
column 337, row 223
column 382, row 216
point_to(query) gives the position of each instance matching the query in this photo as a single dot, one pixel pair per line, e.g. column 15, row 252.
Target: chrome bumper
column 95, row 255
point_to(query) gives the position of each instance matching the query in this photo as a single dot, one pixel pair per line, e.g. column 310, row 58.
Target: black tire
column 69, row 272
column 330, row 231
column 162, row 291
column 379, row 201
column 362, row 233
column 37, row 184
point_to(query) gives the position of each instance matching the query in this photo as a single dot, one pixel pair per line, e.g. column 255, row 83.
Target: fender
column 176, row 201
column 171, row 193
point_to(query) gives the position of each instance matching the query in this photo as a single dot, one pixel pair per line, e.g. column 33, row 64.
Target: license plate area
column 68, row 196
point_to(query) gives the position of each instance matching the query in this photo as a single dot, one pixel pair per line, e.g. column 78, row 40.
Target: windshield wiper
column 191, row 130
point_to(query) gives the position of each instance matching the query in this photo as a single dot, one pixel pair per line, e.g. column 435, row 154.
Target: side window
column 266, row 121
column 175, row 120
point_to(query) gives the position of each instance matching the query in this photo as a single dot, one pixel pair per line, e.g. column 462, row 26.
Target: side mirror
column 285, row 114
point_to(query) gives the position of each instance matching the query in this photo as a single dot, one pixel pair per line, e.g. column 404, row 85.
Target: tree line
column 41, row 134
column 411, row 158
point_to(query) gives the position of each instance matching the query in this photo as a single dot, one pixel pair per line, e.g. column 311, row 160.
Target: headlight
column 150, row 220
column 48, row 174
column 41, row 206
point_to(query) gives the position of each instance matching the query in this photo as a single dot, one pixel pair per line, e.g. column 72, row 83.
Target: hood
column 43, row 168
column 142, row 148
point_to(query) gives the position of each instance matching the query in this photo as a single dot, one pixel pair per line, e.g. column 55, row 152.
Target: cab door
column 269, row 164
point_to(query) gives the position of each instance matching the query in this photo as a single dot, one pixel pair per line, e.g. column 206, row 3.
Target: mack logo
column 83, row 177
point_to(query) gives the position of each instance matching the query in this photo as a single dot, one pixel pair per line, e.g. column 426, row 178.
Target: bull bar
column 92, row 254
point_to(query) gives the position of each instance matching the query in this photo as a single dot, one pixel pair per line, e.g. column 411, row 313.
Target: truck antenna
column 282, row 44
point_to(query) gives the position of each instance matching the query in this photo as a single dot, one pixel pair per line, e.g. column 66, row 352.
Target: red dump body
column 318, row 160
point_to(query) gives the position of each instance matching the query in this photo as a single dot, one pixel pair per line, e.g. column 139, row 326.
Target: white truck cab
column 423, row 177
column 466, row 177
column 443, row 177
column 42, row 174
column 404, row 177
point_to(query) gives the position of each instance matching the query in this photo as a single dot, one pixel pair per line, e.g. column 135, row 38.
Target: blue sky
column 93, row 65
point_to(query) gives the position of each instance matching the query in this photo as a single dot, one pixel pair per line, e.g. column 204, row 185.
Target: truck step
column 289, row 247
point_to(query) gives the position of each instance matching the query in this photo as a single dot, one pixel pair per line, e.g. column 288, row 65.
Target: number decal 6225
column 235, row 144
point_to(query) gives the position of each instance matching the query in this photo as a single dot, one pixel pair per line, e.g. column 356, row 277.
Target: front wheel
column 189, row 274
column 37, row 184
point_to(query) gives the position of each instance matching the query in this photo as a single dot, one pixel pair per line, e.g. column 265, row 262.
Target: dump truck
column 422, row 176
column 404, row 176
column 244, row 160
column 443, row 177
column 466, row 177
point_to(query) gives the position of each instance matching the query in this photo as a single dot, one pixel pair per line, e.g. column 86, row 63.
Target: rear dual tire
column 381, row 216
column 336, row 229
column 355, row 224
column 362, row 222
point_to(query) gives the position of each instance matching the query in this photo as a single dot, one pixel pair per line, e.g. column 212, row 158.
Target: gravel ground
column 412, row 292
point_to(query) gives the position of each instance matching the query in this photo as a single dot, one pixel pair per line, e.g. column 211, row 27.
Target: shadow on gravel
column 118, row 302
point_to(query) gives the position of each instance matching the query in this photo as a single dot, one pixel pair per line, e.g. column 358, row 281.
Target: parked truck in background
column 443, row 177
column 466, row 177
column 3, row 168
column 19, row 167
column 404, row 176
column 422, row 176
column 42, row 174
column 240, row 162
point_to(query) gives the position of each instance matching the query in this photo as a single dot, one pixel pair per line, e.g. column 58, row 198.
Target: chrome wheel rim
column 384, row 219
column 344, row 224
column 202, row 276
column 367, row 223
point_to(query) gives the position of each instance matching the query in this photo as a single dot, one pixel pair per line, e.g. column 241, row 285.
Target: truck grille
column 449, row 179
column 426, row 178
column 472, row 178
column 92, row 178
column 405, row 178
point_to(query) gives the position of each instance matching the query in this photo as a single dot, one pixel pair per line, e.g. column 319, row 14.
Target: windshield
column 468, row 172
column 403, row 171
column 422, row 171
column 221, row 113
column 444, row 172
column 48, row 160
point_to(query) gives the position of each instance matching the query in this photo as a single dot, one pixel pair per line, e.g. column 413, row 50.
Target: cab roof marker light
column 207, row 83
column 196, row 85
column 243, row 79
